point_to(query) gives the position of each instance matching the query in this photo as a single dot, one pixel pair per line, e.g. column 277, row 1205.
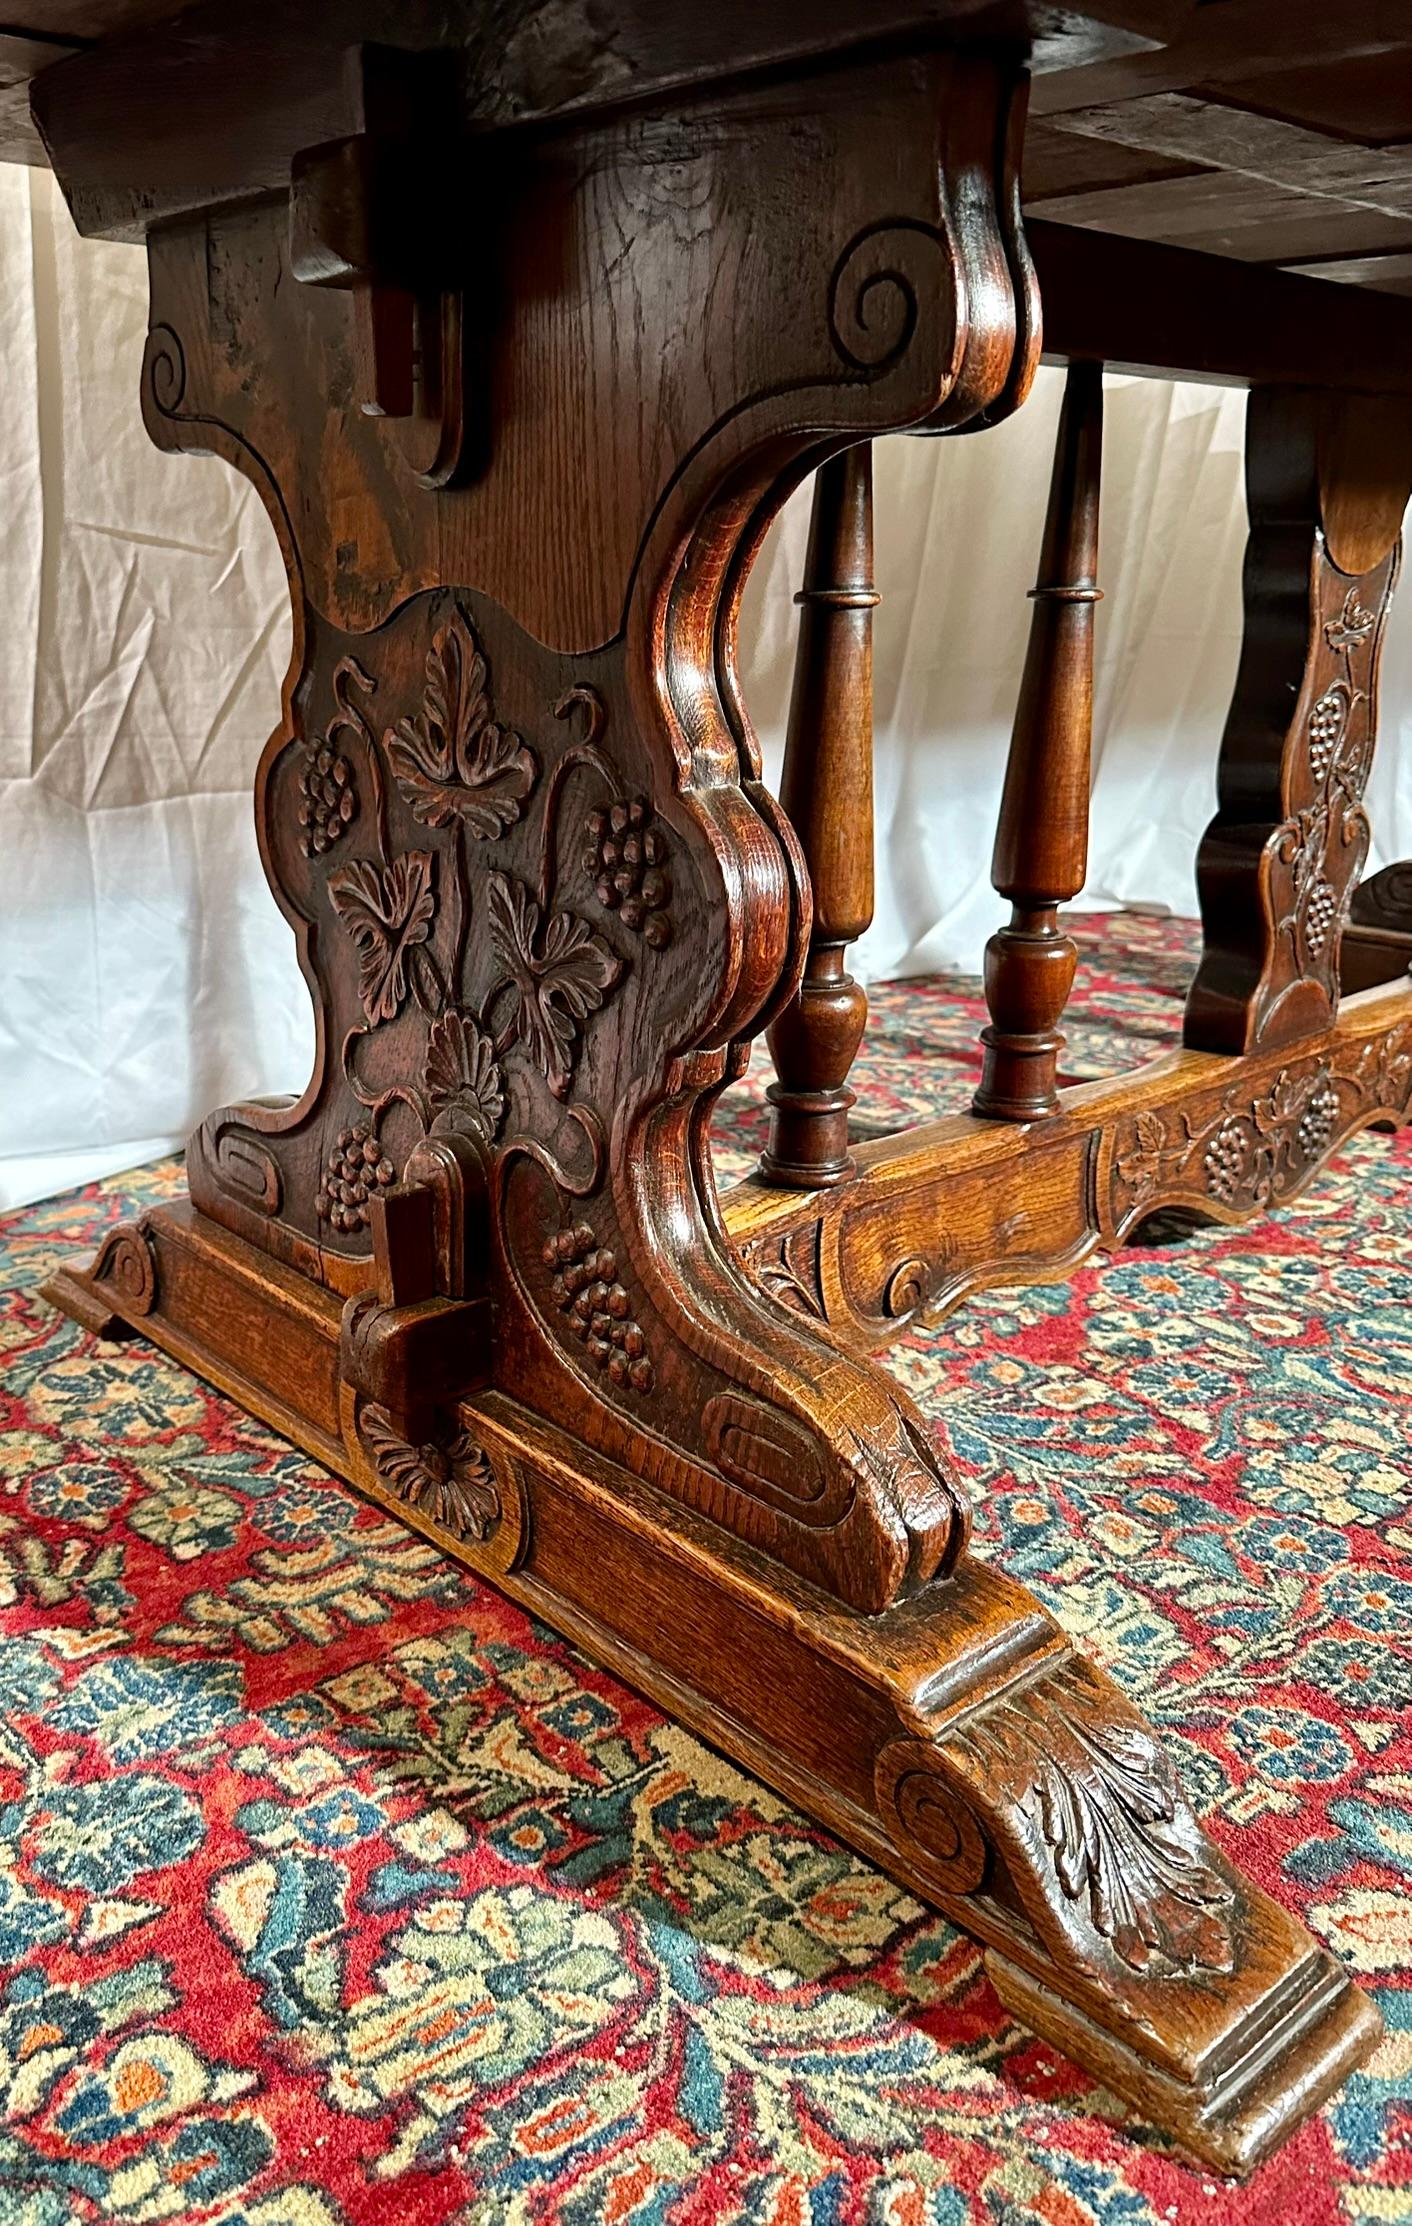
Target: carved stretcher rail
column 957, row 1204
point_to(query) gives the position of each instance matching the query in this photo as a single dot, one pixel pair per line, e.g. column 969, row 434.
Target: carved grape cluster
column 625, row 861
column 587, row 1290
column 1327, row 724
column 357, row 1167
column 1224, row 1164
column 1319, row 917
column 327, row 798
column 1316, row 1126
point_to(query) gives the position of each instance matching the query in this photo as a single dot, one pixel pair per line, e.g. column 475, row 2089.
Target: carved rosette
column 449, row 1480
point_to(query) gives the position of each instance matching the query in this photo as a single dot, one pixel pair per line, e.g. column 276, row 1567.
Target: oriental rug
column 334, row 1889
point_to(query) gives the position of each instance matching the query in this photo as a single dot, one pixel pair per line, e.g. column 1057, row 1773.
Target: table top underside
column 1276, row 132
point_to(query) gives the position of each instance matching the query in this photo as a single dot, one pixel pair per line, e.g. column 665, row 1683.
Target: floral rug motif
column 335, row 1890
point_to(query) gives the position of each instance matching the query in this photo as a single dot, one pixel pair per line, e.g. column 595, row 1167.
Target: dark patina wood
column 514, row 815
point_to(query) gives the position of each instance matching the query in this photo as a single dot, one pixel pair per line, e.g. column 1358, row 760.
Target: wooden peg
column 1041, row 845
column 827, row 790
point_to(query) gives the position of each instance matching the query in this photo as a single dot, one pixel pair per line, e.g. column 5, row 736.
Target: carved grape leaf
column 451, row 760
column 454, row 1484
column 388, row 911
column 558, row 980
column 1353, row 625
column 1140, row 1164
column 462, row 1077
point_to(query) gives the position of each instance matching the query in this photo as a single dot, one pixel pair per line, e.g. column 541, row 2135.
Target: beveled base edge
column 1243, row 2119
column 73, row 1294
column 784, row 1680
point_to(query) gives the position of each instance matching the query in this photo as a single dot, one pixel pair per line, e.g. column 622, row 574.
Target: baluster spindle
column 827, row 790
column 1041, row 844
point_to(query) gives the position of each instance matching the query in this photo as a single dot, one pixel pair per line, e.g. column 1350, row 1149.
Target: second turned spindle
column 827, row 791
column 1041, row 845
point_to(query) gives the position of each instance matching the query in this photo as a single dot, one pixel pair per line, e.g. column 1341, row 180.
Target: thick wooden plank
column 1059, row 162
column 1235, row 44
column 1363, row 97
column 156, row 126
column 87, row 20
column 1387, row 272
column 1169, row 310
column 1266, row 149
column 1220, row 213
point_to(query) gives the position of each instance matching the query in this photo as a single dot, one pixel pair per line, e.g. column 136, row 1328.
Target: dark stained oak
column 827, row 793
column 524, row 331
column 1174, row 310
column 1041, row 846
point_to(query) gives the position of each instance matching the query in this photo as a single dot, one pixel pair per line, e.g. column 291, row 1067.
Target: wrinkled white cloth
column 145, row 974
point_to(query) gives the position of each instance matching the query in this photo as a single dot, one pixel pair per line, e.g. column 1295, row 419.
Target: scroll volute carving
column 562, row 473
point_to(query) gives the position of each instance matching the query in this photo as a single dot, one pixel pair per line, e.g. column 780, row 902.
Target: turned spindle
column 1041, row 844
column 827, row 790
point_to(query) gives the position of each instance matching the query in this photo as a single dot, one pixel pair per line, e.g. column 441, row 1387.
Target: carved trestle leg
column 1327, row 481
column 827, row 792
column 1041, row 844
column 514, row 815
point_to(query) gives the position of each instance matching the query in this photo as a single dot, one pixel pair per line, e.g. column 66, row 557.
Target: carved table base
column 957, row 1739
column 521, row 416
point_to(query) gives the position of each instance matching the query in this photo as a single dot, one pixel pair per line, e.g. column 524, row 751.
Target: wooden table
column 524, row 319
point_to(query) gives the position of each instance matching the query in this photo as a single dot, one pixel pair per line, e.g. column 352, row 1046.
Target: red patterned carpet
column 334, row 1889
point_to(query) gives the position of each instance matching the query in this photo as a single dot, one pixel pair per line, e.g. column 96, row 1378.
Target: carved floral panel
column 480, row 877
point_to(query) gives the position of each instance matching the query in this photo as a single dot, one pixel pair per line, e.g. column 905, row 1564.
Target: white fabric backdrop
column 145, row 974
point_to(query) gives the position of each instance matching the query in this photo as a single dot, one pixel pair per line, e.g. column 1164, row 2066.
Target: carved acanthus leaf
column 1112, row 1814
column 557, row 978
column 388, row 911
column 788, row 1268
column 452, row 760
